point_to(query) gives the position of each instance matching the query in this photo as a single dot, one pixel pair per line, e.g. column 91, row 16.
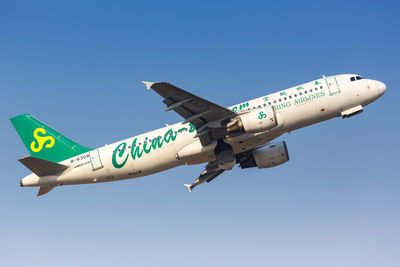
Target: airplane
column 221, row 137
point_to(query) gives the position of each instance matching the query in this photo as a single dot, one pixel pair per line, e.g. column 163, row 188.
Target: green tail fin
column 44, row 142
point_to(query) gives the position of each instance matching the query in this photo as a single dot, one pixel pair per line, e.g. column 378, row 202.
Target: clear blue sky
column 78, row 66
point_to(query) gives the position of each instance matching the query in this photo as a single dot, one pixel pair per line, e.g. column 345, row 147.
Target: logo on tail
column 41, row 140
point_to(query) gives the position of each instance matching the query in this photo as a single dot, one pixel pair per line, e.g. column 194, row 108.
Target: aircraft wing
column 205, row 115
column 210, row 173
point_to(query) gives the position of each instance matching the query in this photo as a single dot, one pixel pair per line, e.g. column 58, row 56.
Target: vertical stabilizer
column 44, row 142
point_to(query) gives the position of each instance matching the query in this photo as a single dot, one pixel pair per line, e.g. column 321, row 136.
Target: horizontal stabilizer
column 44, row 190
column 42, row 167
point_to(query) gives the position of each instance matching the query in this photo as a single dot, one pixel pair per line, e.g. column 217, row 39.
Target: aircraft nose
column 381, row 87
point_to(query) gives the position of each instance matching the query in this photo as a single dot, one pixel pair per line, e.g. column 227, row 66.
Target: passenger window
column 300, row 93
column 284, row 98
column 352, row 79
column 269, row 103
column 295, row 95
column 280, row 100
column 274, row 101
column 310, row 90
column 305, row 91
column 265, row 105
column 321, row 87
column 290, row 97
column 316, row 88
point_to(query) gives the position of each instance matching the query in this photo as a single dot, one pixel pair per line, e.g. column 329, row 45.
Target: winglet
column 148, row 84
column 189, row 186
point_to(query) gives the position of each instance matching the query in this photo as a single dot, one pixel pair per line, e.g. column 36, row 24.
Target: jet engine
column 271, row 155
column 254, row 121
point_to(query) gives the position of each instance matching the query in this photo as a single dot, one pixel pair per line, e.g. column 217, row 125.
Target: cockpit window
column 359, row 78
column 352, row 79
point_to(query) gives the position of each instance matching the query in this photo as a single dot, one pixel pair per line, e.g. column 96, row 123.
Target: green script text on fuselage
column 119, row 157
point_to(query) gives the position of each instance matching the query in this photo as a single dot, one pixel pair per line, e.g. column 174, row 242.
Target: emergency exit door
column 332, row 84
column 95, row 160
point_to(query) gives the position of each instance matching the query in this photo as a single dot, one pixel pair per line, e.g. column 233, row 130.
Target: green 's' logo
column 41, row 140
column 262, row 115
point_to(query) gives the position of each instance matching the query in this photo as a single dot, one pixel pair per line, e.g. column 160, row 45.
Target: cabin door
column 332, row 84
column 95, row 160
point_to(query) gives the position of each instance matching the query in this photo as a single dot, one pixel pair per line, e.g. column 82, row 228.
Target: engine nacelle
column 268, row 156
column 255, row 121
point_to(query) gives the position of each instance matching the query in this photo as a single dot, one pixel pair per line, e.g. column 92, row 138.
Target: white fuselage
column 155, row 151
